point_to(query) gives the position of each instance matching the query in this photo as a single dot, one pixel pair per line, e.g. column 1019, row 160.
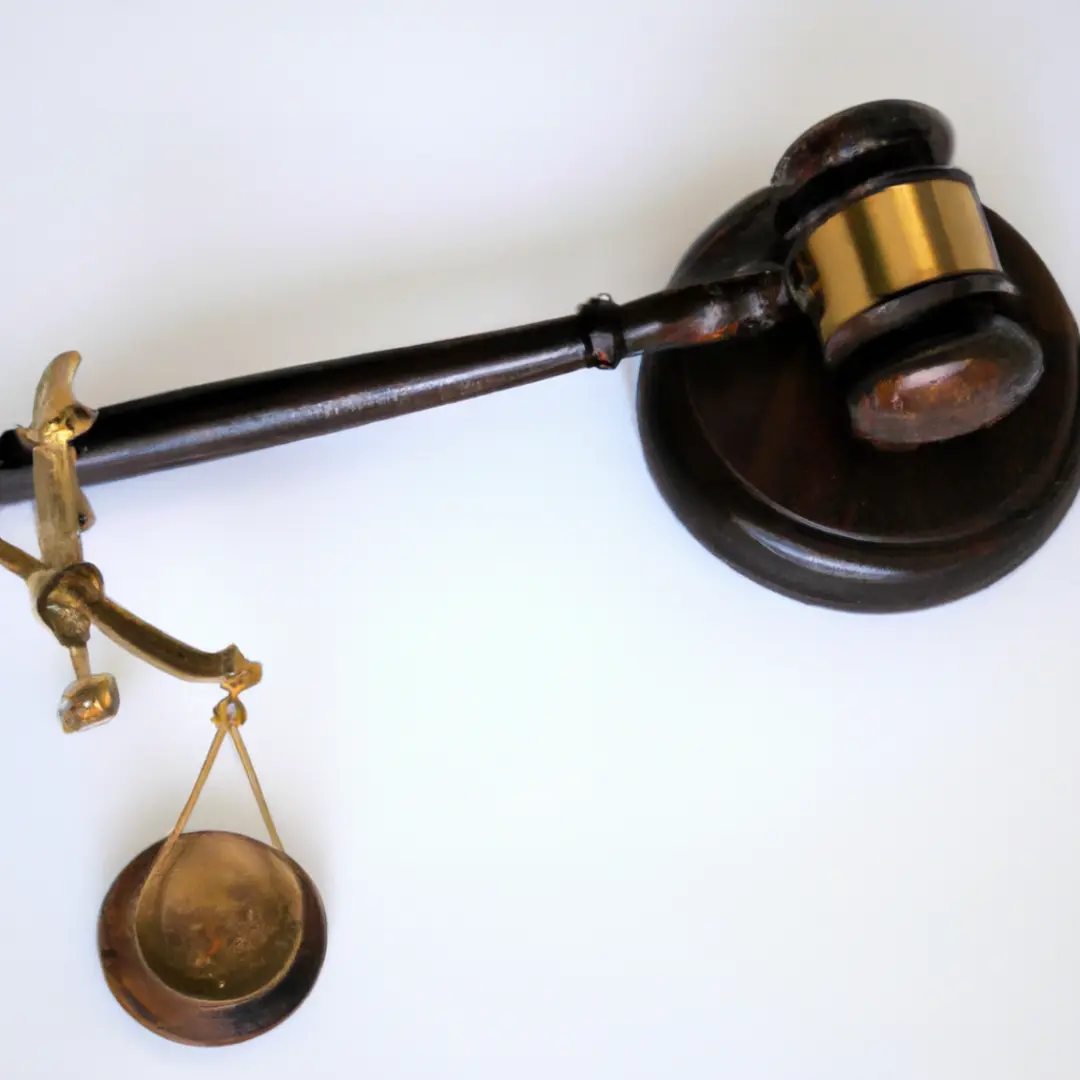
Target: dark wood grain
column 236, row 416
column 751, row 448
column 746, row 418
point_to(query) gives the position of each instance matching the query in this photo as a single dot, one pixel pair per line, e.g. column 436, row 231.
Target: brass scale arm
column 68, row 593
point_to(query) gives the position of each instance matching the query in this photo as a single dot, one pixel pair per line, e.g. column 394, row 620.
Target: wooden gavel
column 859, row 386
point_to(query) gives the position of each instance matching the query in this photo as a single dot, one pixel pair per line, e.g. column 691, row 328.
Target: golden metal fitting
column 903, row 236
column 209, row 937
column 68, row 593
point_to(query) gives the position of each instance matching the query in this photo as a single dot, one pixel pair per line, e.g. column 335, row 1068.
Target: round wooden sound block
column 750, row 444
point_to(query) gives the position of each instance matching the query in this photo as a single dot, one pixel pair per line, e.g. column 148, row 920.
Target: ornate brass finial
column 63, row 515
column 69, row 593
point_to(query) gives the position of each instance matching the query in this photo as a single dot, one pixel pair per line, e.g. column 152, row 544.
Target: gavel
column 859, row 387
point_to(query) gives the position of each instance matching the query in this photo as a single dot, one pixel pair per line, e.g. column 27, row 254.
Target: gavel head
column 890, row 255
column 877, row 305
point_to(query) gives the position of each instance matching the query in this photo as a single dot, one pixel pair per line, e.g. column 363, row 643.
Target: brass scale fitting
column 205, row 938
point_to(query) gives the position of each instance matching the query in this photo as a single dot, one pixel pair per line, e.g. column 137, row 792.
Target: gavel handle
column 235, row 416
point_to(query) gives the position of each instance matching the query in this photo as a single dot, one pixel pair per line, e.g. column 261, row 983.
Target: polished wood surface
column 751, row 447
column 746, row 419
column 241, row 415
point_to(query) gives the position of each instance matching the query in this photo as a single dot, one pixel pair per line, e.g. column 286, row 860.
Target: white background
column 582, row 802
